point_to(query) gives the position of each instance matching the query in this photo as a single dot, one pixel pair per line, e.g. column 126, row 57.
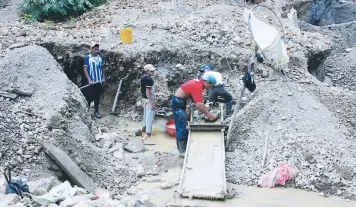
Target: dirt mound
column 312, row 139
column 61, row 116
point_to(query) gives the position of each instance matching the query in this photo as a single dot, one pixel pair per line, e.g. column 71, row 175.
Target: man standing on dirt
column 218, row 89
column 192, row 89
column 149, row 102
column 95, row 76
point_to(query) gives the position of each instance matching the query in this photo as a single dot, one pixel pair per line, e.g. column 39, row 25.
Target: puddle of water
column 161, row 140
column 247, row 196
column 163, row 143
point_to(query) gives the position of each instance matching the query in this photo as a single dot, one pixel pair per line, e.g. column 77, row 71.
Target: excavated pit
column 316, row 65
column 173, row 68
column 326, row 12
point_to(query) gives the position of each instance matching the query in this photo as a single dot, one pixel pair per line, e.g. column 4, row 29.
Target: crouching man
column 218, row 89
column 192, row 89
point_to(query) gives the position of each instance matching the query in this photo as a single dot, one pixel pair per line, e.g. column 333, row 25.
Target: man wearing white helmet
column 218, row 89
column 192, row 89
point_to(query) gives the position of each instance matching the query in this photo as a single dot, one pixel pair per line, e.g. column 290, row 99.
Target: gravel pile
column 20, row 130
column 313, row 140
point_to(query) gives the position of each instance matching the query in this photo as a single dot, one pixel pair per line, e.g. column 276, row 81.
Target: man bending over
column 192, row 89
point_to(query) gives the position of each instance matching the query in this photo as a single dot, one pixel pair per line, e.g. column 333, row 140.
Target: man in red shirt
column 192, row 89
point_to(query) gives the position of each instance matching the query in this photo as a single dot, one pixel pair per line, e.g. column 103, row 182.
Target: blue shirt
column 94, row 64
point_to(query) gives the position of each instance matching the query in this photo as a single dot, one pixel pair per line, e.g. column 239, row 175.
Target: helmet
column 209, row 78
column 207, row 66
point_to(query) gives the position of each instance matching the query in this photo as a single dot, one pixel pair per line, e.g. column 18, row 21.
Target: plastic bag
column 278, row 176
column 15, row 185
column 267, row 38
column 58, row 193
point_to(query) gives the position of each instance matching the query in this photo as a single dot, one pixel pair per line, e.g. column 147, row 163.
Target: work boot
column 97, row 115
column 228, row 109
column 182, row 146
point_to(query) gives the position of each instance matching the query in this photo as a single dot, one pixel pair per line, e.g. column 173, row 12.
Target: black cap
column 96, row 45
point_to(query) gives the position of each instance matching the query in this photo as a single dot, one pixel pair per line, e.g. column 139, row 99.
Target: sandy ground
column 150, row 187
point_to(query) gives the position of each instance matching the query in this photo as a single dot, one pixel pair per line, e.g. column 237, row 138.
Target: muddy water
column 160, row 140
column 246, row 196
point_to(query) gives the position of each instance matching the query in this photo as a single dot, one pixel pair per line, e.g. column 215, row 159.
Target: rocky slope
column 54, row 111
column 177, row 37
column 312, row 138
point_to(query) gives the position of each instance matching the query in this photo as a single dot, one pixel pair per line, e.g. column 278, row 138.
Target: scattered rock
column 138, row 203
column 169, row 184
column 309, row 157
column 119, row 154
column 17, row 45
column 42, row 186
column 135, row 147
column 344, row 172
column 138, row 132
column 140, row 172
column 231, row 193
column 264, row 74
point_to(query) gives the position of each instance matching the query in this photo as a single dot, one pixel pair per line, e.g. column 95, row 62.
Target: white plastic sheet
column 58, row 193
column 267, row 38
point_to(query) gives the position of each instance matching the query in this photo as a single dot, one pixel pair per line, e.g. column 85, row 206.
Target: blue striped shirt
column 95, row 65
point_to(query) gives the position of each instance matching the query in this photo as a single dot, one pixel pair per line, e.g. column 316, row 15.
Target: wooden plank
column 113, row 110
column 4, row 94
column 69, row 167
column 220, row 125
column 204, row 166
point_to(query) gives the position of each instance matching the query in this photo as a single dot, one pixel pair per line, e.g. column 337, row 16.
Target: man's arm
column 86, row 65
column 102, row 69
column 198, row 99
column 150, row 99
column 201, row 107
column 87, row 75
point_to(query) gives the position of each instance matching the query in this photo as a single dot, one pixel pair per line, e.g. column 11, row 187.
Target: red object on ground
column 95, row 197
column 171, row 130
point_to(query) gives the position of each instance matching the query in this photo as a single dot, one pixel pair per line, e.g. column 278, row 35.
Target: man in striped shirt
column 95, row 76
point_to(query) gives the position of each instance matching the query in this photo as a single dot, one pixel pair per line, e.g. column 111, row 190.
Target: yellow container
column 126, row 35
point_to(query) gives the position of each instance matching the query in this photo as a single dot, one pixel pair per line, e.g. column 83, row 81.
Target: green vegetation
column 57, row 10
column 2, row 3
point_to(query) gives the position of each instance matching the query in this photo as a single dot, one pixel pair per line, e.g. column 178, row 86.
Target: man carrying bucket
column 192, row 89
column 149, row 102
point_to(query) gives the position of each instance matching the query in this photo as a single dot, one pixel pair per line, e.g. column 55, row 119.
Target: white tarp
column 267, row 38
column 58, row 193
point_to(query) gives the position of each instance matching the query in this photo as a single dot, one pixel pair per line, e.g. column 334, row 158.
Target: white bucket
column 159, row 125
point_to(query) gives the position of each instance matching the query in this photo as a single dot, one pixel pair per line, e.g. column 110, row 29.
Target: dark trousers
column 219, row 90
column 93, row 93
column 180, row 119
